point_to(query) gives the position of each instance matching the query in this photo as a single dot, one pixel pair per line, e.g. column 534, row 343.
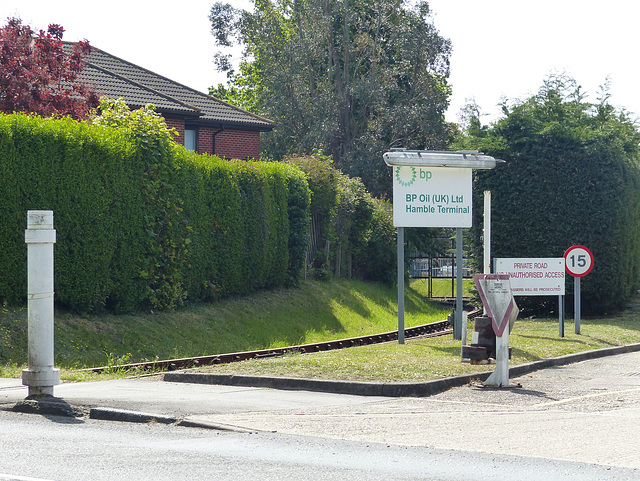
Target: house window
column 190, row 139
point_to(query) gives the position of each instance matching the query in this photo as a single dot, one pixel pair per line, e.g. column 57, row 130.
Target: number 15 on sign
column 578, row 263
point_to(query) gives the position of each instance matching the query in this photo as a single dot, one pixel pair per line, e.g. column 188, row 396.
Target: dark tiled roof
column 115, row 78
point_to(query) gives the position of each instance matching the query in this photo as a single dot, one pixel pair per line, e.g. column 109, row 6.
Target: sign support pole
column 561, row 315
column 500, row 377
column 400, row 285
column 576, row 292
column 579, row 262
column 457, row 322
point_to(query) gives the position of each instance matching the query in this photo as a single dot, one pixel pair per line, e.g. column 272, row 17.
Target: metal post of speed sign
column 578, row 263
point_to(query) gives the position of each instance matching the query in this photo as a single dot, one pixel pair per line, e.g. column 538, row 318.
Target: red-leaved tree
column 36, row 75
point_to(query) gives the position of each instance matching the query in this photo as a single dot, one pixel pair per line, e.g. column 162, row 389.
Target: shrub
column 358, row 229
column 88, row 177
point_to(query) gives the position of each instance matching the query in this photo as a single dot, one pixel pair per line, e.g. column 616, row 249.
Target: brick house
column 204, row 124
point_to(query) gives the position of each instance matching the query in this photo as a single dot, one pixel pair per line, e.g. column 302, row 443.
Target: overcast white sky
column 500, row 47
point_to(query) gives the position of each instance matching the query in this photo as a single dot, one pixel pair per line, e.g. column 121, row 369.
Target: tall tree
column 351, row 78
column 36, row 75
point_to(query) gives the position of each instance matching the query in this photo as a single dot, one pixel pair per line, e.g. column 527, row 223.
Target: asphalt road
column 56, row 449
column 572, row 422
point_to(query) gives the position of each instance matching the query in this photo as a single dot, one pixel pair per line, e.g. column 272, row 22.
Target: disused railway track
column 433, row 329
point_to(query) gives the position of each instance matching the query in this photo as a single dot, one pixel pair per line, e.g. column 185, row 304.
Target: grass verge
column 424, row 359
column 317, row 311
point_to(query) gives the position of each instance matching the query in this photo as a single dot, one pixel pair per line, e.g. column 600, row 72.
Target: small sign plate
column 534, row 276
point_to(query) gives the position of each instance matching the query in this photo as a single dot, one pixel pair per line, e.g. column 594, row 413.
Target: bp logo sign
column 434, row 197
column 406, row 176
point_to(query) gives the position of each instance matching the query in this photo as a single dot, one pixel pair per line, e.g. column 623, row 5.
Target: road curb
column 123, row 415
column 190, row 423
column 110, row 414
column 422, row 389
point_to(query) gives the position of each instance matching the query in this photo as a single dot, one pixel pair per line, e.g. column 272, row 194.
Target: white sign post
column 578, row 262
column 495, row 292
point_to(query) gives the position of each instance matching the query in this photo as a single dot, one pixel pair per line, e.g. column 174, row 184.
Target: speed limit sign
column 578, row 261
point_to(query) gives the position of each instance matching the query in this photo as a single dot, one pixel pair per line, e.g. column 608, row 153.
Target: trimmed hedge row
column 571, row 177
column 140, row 224
column 88, row 178
column 249, row 224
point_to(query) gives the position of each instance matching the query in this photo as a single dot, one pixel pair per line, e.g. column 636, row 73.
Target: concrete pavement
column 587, row 411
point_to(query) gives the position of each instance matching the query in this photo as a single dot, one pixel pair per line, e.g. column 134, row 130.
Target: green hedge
column 142, row 223
column 571, row 177
column 249, row 224
column 88, row 178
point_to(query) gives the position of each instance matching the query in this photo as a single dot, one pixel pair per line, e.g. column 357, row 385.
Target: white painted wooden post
column 486, row 238
column 40, row 236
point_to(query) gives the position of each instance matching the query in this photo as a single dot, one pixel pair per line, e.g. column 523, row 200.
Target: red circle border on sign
column 568, row 251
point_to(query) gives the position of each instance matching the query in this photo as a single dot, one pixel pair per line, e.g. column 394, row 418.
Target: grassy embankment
column 315, row 312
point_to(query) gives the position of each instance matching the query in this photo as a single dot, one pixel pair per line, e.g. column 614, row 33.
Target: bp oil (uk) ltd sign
column 431, row 196
column 432, row 189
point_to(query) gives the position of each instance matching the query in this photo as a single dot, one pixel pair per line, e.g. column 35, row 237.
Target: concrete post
column 40, row 236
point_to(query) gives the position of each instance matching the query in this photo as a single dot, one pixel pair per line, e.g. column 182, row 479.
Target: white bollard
column 40, row 236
